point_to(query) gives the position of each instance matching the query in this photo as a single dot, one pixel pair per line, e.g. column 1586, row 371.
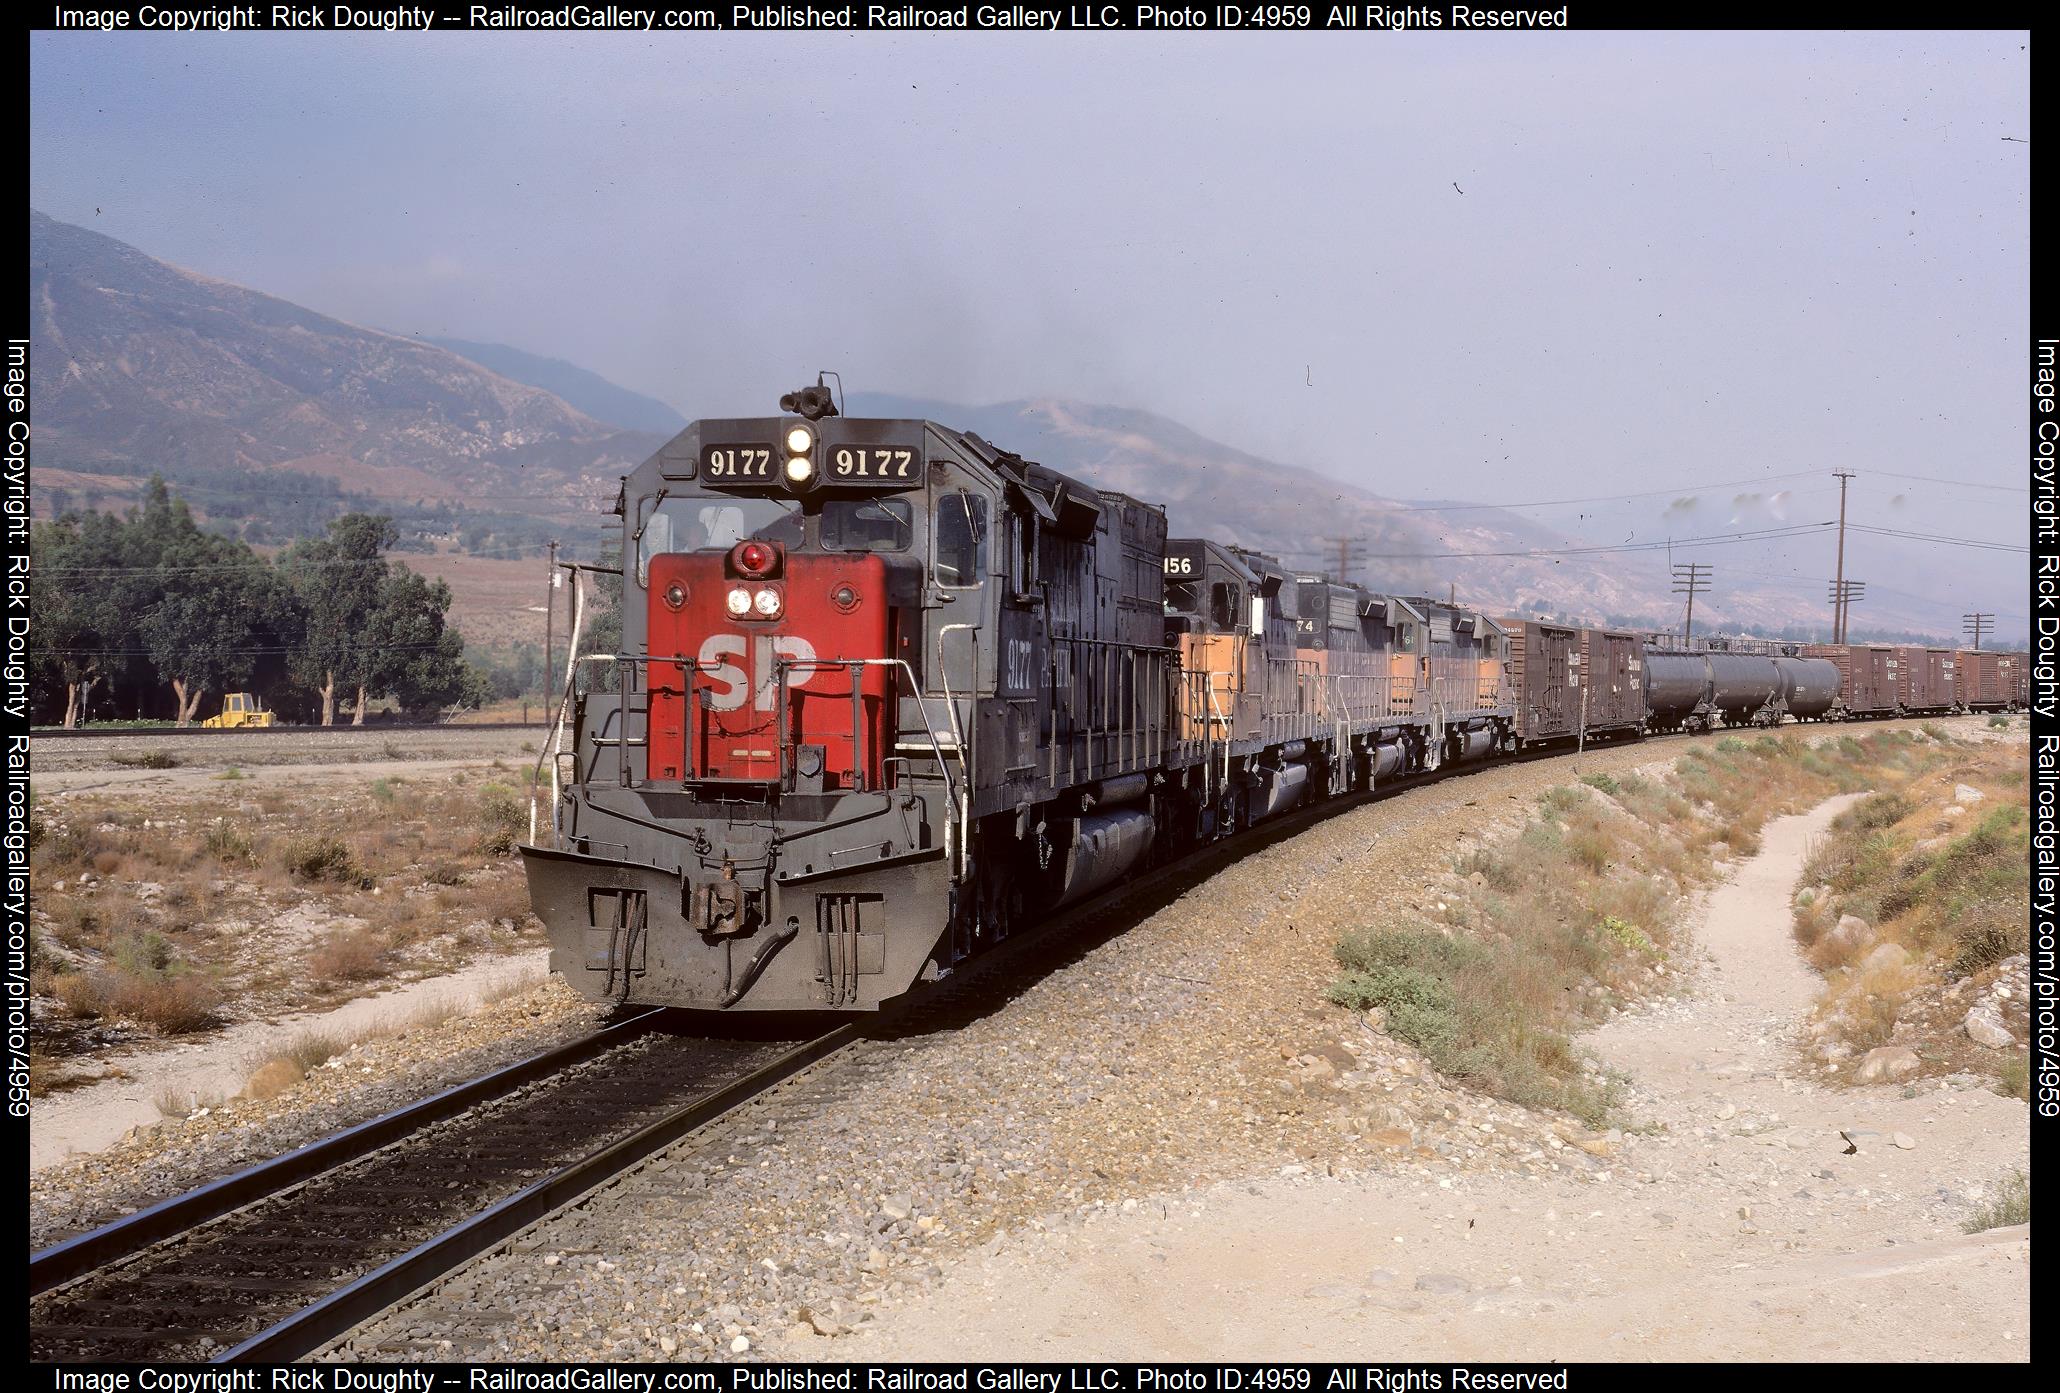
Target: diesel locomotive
column 887, row 693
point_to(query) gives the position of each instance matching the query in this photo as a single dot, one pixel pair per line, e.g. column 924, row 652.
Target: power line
column 1978, row 543
column 1977, row 625
column 254, row 562
column 1717, row 539
column 1956, row 483
column 1605, row 498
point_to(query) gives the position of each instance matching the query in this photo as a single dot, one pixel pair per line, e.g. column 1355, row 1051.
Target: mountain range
column 139, row 365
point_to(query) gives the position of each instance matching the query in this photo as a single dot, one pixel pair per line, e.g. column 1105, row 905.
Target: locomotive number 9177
column 872, row 462
column 737, row 462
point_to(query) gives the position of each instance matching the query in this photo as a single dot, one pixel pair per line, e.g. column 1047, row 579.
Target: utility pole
column 550, row 619
column 1344, row 546
column 1844, row 594
column 1691, row 578
column 1977, row 625
column 1838, row 605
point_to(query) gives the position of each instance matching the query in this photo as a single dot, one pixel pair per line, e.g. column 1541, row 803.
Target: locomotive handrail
column 955, row 789
column 554, row 748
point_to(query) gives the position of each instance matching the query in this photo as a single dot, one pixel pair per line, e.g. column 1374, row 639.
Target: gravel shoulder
column 1736, row 1226
column 94, row 1117
column 1192, row 1049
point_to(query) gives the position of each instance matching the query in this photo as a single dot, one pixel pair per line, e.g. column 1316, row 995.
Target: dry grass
column 1579, row 910
column 408, row 868
column 1948, row 891
column 2012, row 1205
column 348, row 955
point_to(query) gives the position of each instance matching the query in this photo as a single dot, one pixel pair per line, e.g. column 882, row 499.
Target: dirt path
column 1731, row 1224
column 96, row 1116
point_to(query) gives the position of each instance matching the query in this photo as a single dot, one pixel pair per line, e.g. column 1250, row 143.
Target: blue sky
column 1678, row 258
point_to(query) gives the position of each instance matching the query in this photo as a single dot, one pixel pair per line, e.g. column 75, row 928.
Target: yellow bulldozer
column 239, row 709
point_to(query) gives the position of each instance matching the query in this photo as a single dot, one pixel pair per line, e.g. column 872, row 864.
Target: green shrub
column 224, row 841
column 149, row 759
column 145, row 954
column 318, row 858
column 1601, row 782
column 1630, row 935
column 503, row 820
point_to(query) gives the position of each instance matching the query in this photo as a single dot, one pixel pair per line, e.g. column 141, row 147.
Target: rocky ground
column 1751, row 1215
column 1142, row 1089
column 199, row 905
column 1181, row 1093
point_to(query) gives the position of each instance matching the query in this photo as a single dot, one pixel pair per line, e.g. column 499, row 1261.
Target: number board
column 871, row 464
column 750, row 454
column 1184, row 560
column 738, row 464
column 866, row 454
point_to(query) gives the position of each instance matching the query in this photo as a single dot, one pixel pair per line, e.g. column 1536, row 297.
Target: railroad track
column 273, row 1262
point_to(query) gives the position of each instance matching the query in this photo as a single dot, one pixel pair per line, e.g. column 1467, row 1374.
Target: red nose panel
column 715, row 713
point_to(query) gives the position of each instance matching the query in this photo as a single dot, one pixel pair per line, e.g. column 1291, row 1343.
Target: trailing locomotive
column 887, row 693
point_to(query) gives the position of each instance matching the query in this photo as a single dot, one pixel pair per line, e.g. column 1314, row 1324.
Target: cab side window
column 960, row 560
column 1223, row 607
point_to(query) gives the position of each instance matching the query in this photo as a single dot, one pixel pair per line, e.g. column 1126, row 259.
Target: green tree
column 209, row 619
column 410, row 652
column 72, row 562
column 338, row 581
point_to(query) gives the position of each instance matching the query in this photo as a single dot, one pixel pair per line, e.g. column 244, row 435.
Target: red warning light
column 755, row 559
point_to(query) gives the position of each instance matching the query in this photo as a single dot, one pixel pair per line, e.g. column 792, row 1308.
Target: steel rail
column 314, row 1326
column 97, row 1248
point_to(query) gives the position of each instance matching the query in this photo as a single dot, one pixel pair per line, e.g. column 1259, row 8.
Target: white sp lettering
column 725, row 684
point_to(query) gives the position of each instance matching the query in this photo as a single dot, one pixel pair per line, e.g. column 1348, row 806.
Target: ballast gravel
column 1194, row 1049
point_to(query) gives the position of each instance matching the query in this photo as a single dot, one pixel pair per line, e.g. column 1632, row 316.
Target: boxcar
column 1866, row 677
column 1545, row 680
column 1613, row 682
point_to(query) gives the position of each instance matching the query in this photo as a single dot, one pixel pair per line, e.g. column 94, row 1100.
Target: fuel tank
column 1105, row 847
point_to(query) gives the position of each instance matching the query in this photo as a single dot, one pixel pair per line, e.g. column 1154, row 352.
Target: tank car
column 883, row 691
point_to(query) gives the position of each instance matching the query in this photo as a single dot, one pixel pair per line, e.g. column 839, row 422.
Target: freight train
column 888, row 693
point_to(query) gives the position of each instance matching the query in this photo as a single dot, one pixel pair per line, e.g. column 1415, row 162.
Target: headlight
column 766, row 602
column 738, row 600
column 800, row 469
column 800, row 440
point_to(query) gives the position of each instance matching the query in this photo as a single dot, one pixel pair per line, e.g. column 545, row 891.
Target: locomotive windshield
column 867, row 524
column 686, row 523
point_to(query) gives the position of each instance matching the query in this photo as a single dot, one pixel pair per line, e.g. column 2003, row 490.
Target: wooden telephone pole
column 1691, row 578
column 1839, row 597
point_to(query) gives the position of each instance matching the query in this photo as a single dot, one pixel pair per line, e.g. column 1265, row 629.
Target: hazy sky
column 1677, row 259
